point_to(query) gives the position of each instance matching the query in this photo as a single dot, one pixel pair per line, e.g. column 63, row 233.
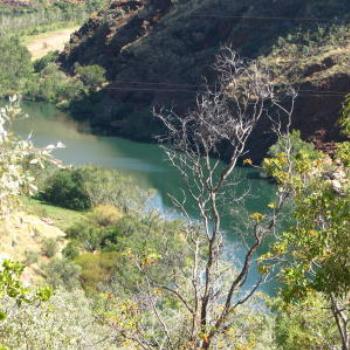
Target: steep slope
column 157, row 51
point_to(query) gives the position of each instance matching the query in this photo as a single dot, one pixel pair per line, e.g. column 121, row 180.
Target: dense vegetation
column 36, row 16
column 43, row 79
column 117, row 256
column 123, row 277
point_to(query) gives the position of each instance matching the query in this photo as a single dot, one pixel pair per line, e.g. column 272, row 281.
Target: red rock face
column 156, row 53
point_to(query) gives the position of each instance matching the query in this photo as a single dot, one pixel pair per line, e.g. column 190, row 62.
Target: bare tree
column 212, row 289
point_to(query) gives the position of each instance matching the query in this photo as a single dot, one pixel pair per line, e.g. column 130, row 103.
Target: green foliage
column 313, row 251
column 343, row 152
column 66, row 188
column 15, row 66
column 53, row 85
column 99, row 231
column 307, row 325
column 96, row 269
column 66, row 321
column 42, row 63
column 93, row 76
column 49, row 247
column 71, row 251
column 62, row 273
column 89, row 186
column 12, row 287
column 41, row 16
column 93, row 237
column 291, row 158
column 31, row 257
column 297, row 147
column 345, row 118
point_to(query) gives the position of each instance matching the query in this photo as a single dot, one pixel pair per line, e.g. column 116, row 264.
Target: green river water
column 145, row 162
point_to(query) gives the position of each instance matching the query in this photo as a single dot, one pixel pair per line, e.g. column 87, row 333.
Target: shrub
column 105, row 215
column 67, row 321
column 42, row 63
column 92, row 76
column 53, row 85
column 89, row 235
column 93, row 237
column 96, row 269
column 66, row 188
column 62, row 273
column 15, row 65
column 71, row 251
column 31, row 257
column 49, row 247
column 112, row 188
column 343, row 152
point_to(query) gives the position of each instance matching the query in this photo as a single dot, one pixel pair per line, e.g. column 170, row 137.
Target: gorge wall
column 156, row 52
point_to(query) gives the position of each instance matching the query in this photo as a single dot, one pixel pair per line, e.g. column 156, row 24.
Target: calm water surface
column 145, row 162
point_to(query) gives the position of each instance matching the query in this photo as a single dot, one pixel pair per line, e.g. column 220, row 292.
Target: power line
column 185, row 87
column 266, row 18
column 305, row 93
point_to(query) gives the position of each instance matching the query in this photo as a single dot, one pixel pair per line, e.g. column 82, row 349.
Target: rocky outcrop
column 156, row 52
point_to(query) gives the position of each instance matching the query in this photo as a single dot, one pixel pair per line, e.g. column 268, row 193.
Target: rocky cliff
column 156, row 52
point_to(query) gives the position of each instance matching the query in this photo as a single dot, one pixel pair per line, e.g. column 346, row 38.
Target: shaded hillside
column 157, row 51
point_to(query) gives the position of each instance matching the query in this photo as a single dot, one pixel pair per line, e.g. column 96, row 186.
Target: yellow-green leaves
column 257, row 217
column 11, row 286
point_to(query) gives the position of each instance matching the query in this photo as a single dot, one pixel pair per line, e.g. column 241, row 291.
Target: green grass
column 44, row 31
column 62, row 218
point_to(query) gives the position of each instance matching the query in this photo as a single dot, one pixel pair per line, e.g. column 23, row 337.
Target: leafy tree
column 52, row 84
column 66, row 188
column 305, row 325
column 93, row 76
column 15, row 66
column 315, row 248
column 90, row 186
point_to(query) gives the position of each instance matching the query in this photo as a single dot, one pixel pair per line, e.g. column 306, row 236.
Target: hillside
column 156, row 52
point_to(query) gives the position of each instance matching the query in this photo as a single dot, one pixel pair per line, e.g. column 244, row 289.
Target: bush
column 15, row 65
column 49, row 247
column 66, row 188
column 343, row 152
column 93, row 237
column 42, row 63
column 53, row 85
column 92, row 76
column 105, row 215
column 62, row 273
column 96, row 269
column 89, row 235
column 31, row 257
column 71, row 251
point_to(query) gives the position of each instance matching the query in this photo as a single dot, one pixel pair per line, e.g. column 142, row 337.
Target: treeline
column 43, row 79
column 38, row 16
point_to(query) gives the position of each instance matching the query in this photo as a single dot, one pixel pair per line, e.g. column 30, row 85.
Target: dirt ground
column 40, row 45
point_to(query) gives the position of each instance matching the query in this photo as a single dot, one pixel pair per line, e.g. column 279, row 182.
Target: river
column 145, row 162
